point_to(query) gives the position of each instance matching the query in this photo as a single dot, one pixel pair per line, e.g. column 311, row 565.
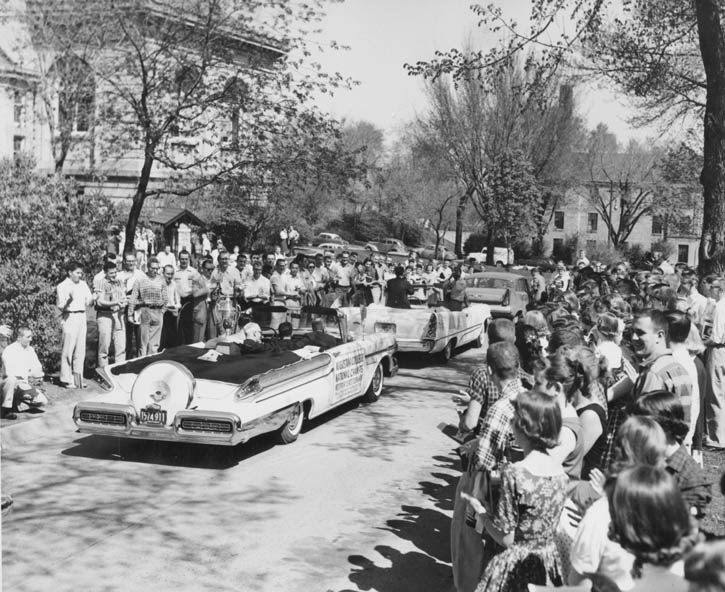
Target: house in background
column 32, row 108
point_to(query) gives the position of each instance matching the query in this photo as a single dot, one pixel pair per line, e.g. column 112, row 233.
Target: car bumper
column 192, row 426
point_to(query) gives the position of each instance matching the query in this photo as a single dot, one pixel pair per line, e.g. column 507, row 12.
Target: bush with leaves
column 44, row 225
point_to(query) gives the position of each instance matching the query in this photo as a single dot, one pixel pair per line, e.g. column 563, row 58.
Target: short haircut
column 666, row 409
column 501, row 330
column 152, row 260
column 285, row 329
column 658, row 318
column 399, row 271
column 169, row 266
column 503, row 359
column 72, row 266
column 649, row 517
column 538, row 417
column 678, row 326
column 184, row 252
column 108, row 265
column 23, row 329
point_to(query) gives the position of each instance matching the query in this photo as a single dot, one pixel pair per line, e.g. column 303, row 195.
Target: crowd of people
column 583, row 426
column 583, row 435
column 145, row 303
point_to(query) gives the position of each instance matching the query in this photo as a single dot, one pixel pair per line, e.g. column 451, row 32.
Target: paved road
column 361, row 501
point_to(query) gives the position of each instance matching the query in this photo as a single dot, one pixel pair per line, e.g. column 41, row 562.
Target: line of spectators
column 584, row 430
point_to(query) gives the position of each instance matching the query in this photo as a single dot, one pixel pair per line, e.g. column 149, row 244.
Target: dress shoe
column 7, row 413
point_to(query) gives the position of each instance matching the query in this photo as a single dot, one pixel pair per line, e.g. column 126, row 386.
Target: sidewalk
column 30, row 426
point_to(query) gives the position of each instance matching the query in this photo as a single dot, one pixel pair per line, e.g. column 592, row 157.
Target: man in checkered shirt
column 496, row 435
column 149, row 298
column 484, row 453
column 482, row 389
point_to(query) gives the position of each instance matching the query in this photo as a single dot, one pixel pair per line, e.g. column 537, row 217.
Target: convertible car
column 427, row 328
column 230, row 393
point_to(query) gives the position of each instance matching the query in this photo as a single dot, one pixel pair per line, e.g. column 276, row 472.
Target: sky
column 383, row 35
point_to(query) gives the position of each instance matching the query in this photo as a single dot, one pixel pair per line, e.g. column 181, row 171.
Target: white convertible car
column 430, row 329
column 225, row 396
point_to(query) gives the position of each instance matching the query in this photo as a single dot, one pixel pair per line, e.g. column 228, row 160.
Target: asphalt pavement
column 362, row 501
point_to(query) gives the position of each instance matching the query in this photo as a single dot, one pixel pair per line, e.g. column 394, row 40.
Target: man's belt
column 153, row 306
column 74, row 311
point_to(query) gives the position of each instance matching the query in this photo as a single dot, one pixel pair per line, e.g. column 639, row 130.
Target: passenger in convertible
column 249, row 339
column 284, row 340
column 318, row 336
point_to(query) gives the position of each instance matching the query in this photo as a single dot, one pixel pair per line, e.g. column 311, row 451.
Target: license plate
column 155, row 416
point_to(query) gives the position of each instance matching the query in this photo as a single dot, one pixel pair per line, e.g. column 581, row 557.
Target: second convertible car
column 220, row 395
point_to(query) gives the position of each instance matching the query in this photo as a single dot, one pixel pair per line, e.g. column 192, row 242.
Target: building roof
column 171, row 215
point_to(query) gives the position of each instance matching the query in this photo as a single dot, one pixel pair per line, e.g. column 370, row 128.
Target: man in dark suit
column 398, row 290
column 318, row 336
column 200, row 288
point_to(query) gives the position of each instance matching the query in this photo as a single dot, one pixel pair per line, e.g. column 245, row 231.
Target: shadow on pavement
column 427, row 529
column 173, row 454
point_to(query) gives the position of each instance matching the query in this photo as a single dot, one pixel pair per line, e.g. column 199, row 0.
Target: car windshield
column 487, row 282
column 330, row 321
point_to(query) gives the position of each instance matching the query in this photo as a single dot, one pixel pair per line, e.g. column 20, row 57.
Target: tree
column 505, row 202
column 650, row 50
column 45, row 224
column 484, row 120
column 197, row 88
column 365, row 141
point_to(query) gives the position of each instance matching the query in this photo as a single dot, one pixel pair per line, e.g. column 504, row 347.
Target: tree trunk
column 138, row 200
column 460, row 210
column 712, row 49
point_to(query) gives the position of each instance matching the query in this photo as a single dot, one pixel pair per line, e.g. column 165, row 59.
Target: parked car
column 544, row 263
column 429, row 252
column 436, row 330
column 501, row 256
column 390, row 244
column 506, row 293
column 216, row 396
column 327, row 237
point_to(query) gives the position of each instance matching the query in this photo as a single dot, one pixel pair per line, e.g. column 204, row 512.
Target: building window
column 591, row 246
column 558, row 250
column 592, row 222
column 18, row 107
column 657, row 224
column 558, row 220
column 76, row 94
column 17, row 146
column 683, row 253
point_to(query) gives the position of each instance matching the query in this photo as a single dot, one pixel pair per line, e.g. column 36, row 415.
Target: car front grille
column 100, row 417
column 206, row 425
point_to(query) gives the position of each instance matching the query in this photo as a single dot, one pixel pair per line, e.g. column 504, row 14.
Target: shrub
column 45, row 224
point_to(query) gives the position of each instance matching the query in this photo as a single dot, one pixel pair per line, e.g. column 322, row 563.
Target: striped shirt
column 148, row 292
column 108, row 291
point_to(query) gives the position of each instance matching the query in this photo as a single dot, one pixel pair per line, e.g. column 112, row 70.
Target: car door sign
column 349, row 366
